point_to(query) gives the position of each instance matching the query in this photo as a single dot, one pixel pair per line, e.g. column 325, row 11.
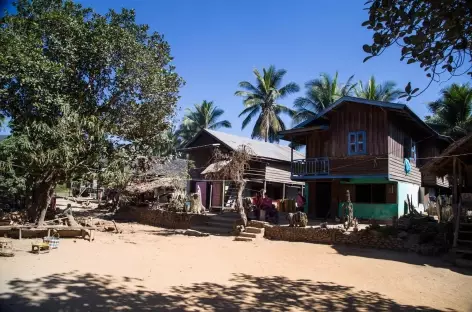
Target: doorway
column 323, row 199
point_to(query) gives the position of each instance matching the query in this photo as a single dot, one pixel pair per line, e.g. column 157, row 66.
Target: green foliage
column 320, row 93
column 168, row 144
column 452, row 112
column 261, row 99
column 12, row 179
column 436, row 35
column 81, row 88
column 378, row 92
column 204, row 116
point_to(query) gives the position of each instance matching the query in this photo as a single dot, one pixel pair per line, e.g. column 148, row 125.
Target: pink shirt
column 300, row 201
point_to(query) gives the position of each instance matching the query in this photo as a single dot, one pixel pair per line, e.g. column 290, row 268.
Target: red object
column 53, row 203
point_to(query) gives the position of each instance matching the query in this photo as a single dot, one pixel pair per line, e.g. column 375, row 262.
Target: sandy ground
column 151, row 269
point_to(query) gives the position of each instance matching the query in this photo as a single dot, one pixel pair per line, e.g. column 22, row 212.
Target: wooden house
column 363, row 146
column 270, row 169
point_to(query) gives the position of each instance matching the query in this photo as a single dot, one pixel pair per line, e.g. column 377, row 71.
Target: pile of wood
column 13, row 218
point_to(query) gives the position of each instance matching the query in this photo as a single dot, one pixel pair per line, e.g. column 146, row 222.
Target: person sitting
column 301, row 201
column 269, row 208
column 257, row 202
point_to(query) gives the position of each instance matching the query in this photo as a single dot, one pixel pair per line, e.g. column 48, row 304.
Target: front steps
column 222, row 225
column 463, row 251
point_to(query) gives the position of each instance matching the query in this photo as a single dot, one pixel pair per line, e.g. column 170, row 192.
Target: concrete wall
column 405, row 189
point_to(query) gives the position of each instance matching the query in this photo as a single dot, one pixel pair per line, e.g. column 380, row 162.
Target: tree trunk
column 42, row 193
column 239, row 202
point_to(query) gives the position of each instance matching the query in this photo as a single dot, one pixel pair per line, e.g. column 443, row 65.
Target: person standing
column 301, row 201
column 257, row 202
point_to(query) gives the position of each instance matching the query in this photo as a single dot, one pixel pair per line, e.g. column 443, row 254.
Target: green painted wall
column 372, row 211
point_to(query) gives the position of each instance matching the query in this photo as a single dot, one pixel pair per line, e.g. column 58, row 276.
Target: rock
column 402, row 235
column 195, row 233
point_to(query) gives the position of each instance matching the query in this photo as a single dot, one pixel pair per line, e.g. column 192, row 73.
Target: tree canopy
column 81, row 91
column 452, row 112
column 320, row 93
column 262, row 100
column 385, row 91
column 204, row 116
column 436, row 35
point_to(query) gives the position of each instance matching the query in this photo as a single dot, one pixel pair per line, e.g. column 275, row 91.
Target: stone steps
column 248, row 235
column 242, row 239
column 254, row 230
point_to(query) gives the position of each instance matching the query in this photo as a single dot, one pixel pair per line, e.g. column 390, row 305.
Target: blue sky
column 218, row 43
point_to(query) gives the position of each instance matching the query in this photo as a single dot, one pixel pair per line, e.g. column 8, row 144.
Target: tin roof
column 260, row 148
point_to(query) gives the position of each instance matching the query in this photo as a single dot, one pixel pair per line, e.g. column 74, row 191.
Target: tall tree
column 262, row 100
column 320, row 93
column 436, row 35
column 203, row 116
column 386, row 91
column 452, row 112
column 79, row 88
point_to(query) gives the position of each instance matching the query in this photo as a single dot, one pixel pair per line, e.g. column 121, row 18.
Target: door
column 216, row 199
column 323, row 199
column 203, row 190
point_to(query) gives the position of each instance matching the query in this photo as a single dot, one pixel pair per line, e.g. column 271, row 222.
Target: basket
column 52, row 240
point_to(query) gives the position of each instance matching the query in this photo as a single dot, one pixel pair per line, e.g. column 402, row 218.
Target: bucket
column 52, row 240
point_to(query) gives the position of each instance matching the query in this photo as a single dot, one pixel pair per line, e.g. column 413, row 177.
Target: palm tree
column 204, row 116
column 261, row 99
column 320, row 93
column 168, row 144
column 386, row 92
column 452, row 112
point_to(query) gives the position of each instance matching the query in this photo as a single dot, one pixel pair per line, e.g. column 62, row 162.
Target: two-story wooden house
column 370, row 148
column 269, row 170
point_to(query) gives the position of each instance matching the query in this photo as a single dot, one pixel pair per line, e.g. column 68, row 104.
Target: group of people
column 262, row 202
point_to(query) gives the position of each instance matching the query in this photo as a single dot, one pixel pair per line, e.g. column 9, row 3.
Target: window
column 357, row 143
column 371, row 193
column 363, row 193
column 379, row 194
column 409, row 149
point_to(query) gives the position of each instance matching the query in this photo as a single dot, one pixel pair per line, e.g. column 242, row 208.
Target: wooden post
column 283, row 191
column 223, row 196
column 211, row 195
column 455, row 201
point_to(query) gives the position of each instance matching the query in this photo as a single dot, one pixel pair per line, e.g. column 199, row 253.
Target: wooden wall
column 396, row 169
column 350, row 117
column 396, row 139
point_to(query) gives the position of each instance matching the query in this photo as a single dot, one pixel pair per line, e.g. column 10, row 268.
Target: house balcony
column 302, row 168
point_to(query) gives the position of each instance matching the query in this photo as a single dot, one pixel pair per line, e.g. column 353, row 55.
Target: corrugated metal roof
column 260, row 148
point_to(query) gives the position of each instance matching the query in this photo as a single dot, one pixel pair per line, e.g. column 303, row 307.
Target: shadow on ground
column 405, row 257
column 75, row 291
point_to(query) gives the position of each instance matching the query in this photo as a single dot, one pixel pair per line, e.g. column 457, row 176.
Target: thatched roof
column 442, row 165
column 170, row 174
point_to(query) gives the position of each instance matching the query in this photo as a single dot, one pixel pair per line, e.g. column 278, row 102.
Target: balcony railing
column 310, row 167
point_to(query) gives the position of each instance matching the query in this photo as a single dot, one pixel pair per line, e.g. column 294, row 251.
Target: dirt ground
column 151, row 269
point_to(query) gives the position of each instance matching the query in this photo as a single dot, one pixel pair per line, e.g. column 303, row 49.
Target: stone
column 402, row 235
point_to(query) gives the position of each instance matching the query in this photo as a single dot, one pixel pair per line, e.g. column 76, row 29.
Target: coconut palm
column 320, row 93
column 261, row 100
column 203, row 116
column 168, row 145
column 386, row 91
column 452, row 112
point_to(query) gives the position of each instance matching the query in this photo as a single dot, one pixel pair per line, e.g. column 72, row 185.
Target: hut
column 156, row 180
column 456, row 162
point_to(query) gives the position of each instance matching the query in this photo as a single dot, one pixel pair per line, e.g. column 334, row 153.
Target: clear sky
column 217, row 43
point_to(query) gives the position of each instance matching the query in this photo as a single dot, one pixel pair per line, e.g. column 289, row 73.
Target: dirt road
column 152, row 269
